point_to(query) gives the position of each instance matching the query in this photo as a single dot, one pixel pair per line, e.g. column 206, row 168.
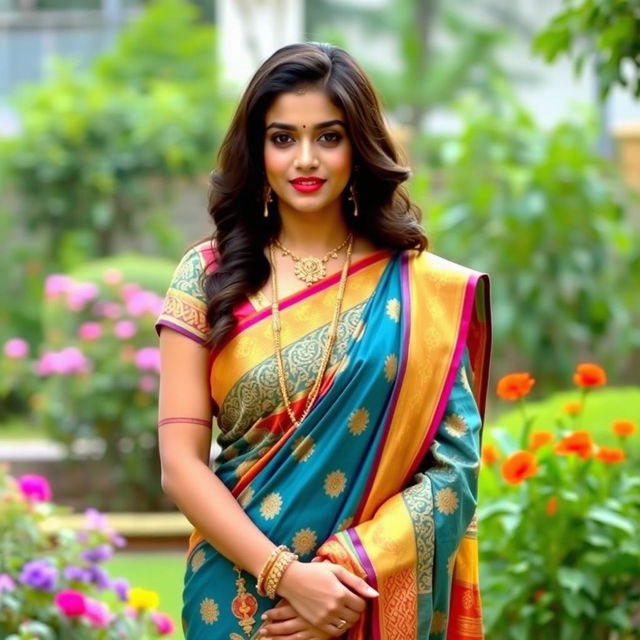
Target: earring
column 267, row 200
column 352, row 198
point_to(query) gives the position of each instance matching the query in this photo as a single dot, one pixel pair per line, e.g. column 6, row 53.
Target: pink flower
column 163, row 623
column 90, row 331
column 125, row 329
column 128, row 290
column 68, row 361
column 105, row 309
column 16, row 348
column 112, row 277
column 34, row 487
column 7, row 583
column 148, row 359
column 72, row 603
column 80, row 293
column 56, row 284
column 141, row 302
column 147, row 384
column 98, row 614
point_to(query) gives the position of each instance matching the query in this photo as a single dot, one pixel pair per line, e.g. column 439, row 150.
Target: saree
column 381, row 477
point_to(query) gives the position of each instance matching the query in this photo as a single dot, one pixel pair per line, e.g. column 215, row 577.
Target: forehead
column 307, row 108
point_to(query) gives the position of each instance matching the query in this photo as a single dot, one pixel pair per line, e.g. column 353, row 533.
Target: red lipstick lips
column 308, row 184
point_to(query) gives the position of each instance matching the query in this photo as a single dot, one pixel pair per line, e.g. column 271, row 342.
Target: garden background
column 522, row 127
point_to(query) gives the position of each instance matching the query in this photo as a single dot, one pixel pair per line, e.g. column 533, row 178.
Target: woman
column 346, row 367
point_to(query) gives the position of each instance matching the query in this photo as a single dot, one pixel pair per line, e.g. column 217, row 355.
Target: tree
column 606, row 32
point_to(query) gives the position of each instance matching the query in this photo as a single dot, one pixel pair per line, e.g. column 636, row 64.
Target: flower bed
column 560, row 547
column 53, row 584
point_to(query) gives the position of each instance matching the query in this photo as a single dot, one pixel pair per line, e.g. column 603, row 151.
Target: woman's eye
column 331, row 136
column 281, row 138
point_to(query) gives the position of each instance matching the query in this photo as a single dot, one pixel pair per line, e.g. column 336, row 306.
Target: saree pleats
column 381, row 477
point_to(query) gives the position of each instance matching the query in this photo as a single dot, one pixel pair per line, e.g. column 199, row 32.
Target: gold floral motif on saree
column 257, row 393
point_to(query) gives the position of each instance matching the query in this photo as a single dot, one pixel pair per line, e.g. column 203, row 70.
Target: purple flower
column 39, row 574
column 90, row 331
column 95, row 519
column 100, row 553
column 121, row 588
column 56, row 284
column 6, row 582
column 68, row 361
column 125, row 329
column 77, row 574
column 99, row 576
column 148, row 359
column 16, row 348
column 117, row 540
column 34, row 487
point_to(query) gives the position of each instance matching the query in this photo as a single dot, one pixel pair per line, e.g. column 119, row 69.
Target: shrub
column 560, row 550
column 52, row 582
column 99, row 368
column 546, row 216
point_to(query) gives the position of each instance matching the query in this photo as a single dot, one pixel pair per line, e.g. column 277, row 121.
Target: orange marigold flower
column 519, row 466
column 624, row 428
column 578, row 442
column 572, row 408
column 552, row 506
column 514, row 386
column 589, row 375
column 610, row 455
column 490, row 454
column 539, row 439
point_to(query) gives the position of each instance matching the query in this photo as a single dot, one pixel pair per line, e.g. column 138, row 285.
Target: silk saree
column 382, row 475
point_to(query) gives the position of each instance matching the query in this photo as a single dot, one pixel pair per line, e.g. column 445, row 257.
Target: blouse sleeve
column 185, row 304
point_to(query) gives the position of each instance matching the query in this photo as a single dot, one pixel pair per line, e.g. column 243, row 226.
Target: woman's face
column 307, row 153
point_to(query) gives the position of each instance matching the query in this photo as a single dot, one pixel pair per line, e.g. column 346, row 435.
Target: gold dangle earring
column 268, row 199
column 352, row 198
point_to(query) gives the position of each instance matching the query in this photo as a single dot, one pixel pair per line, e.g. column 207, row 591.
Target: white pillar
column 249, row 31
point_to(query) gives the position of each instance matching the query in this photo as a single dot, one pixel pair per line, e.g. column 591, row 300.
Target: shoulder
column 197, row 261
column 429, row 265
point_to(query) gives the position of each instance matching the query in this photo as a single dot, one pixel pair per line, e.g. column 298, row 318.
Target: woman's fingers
column 283, row 628
column 282, row 612
column 353, row 582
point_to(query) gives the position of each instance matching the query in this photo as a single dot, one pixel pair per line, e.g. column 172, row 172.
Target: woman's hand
column 284, row 623
column 326, row 595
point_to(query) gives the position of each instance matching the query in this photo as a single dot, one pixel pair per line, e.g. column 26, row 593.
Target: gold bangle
column 285, row 559
column 268, row 565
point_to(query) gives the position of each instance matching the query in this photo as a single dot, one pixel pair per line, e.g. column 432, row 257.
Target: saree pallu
column 381, row 477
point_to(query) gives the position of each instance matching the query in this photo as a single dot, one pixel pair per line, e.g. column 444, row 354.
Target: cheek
column 340, row 162
column 273, row 161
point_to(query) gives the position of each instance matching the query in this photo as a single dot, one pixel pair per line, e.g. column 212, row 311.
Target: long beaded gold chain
column 331, row 337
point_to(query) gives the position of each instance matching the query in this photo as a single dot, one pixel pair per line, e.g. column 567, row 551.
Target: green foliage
column 606, row 32
column 560, row 555
column 167, row 44
column 34, row 545
column 100, row 153
column 545, row 216
column 100, row 367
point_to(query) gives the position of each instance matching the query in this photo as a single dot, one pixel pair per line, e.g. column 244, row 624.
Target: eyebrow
column 292, row 127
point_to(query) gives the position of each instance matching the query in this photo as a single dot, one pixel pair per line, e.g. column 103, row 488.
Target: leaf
column 608, row 517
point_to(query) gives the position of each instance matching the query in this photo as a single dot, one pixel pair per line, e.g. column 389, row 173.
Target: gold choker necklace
column 309, row 269
column 328, row 349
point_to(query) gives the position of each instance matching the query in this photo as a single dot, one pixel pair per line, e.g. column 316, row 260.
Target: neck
column 312, row 233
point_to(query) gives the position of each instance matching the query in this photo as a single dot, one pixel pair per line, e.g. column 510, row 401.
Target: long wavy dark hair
column 387, row 217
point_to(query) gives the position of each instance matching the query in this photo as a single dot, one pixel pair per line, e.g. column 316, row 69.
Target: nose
column 306, row 157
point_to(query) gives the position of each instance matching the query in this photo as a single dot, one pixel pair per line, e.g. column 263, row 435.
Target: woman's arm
column 322, row 593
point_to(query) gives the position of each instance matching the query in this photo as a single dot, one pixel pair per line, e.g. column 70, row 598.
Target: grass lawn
column 159, row 571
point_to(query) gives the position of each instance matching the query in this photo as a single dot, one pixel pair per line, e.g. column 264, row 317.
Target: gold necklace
column 310, row 269
column 331, row 337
